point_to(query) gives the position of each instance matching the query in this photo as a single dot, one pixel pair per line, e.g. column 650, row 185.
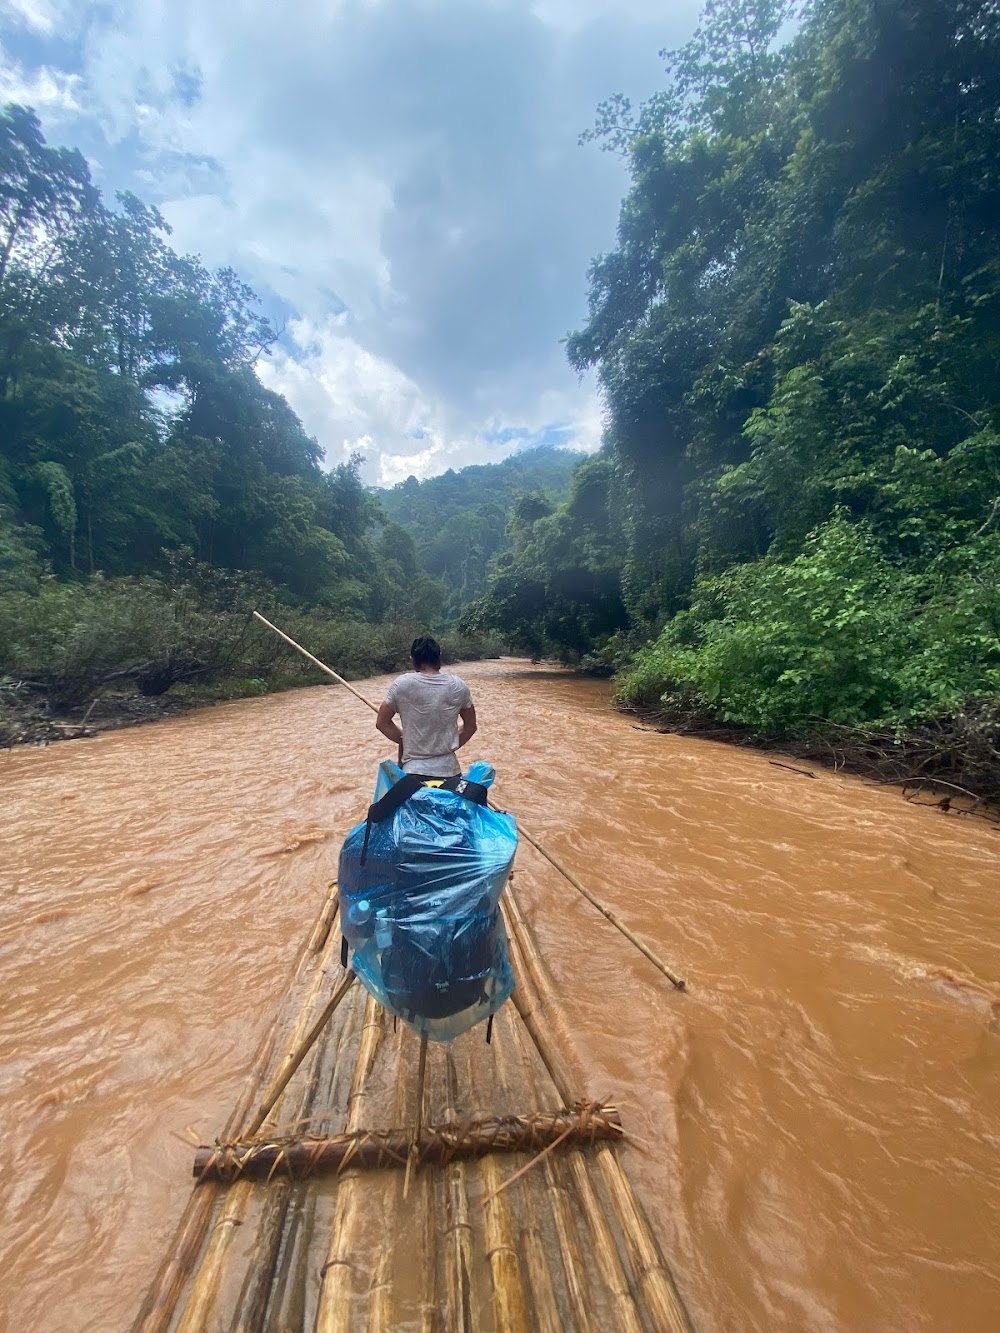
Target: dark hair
column 425, row 651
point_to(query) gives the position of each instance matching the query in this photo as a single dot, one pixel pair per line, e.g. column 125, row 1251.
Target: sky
column 400, row 180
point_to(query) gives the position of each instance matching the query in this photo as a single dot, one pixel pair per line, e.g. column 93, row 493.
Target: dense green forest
column 152, row 491
column 794, row 524
column 459, row 520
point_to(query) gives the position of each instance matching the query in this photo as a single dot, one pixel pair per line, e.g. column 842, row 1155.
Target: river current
column 820, row 1111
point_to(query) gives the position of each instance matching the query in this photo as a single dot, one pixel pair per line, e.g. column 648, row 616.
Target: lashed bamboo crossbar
column 437, row 1145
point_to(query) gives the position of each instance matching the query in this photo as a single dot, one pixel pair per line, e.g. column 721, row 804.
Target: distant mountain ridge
column 458, row 520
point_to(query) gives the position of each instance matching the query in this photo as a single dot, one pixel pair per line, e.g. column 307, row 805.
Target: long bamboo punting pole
column 606, row 912
column 157, row 1309
column 568, row 875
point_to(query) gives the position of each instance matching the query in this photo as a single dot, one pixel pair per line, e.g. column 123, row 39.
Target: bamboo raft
column 522, row 1219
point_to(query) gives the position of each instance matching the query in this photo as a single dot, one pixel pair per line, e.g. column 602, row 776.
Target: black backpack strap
column 400, row 792
column 397, row 795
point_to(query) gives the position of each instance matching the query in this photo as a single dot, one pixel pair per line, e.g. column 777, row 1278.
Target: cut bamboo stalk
column 663, row 1301
column 544, row 1310
column 380, row 1314
column 295, row 1058
column 414, row 1152
column 251, row 1308
column 321, row 930
column 255, row 1296
column 666, row 1309
column 291, row 1292
column 429, row 1317
column 333, row 1314
column 315, row 661
column 462, row 1306
column 567, row 1233
column 205, row 1290
column 526, row 1004
column 298, row 1159
column 608, row 1260
column 158, row 1306
column 510, row 1307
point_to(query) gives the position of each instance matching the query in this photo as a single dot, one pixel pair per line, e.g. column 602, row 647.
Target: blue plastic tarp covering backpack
column 420, row 905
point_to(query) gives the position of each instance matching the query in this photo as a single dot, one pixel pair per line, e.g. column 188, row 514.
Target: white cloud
column 54, row 94
column 402, row 177
column 356, row 402
column 41, row 16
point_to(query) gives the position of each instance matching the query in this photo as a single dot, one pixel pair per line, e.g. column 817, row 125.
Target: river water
column 821, row 1109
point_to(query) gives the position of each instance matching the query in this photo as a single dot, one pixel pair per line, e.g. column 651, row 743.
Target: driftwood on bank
column 437, row 1145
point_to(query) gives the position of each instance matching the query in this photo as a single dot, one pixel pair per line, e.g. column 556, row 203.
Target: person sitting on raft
column 429, row 702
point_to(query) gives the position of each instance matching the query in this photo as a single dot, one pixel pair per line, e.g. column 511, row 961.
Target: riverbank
column 951, row 763
column 26, row 720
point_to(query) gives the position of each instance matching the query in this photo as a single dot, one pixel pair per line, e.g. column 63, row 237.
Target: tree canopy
column 796, row 337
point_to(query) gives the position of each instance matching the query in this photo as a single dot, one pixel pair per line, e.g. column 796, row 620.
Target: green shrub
column 838, row 634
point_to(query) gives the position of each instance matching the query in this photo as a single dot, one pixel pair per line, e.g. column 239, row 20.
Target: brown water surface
column 821, row 1109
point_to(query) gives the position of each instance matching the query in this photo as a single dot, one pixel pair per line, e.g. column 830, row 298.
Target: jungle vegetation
column 794, row 523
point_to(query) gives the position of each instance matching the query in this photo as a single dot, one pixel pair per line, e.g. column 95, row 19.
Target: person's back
column 430, row 703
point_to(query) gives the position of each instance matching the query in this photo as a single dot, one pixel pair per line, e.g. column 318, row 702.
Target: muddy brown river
column 821, row 1110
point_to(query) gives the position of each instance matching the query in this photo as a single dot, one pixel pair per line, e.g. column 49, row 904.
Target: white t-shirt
column 428, row 704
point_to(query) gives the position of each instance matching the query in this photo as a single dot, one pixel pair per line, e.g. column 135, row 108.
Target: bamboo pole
column 567, row 874
column 333, row 1314
column 608, row 1260
column 663, row 1301
column 462, row 1305
column 205, row 1290
column 295, row 1058
column 510, row 1306
column 436, row 1145
column 292, row 1292
column 571, row 1251
column 380, row 1313
column 258, row 1286
column 545, row 1312
column 160, row 1301
column 315, row 661
column 414, row 1152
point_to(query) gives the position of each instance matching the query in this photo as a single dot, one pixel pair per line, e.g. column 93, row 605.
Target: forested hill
column 152, row 490
column 798, row 336
column 459, row 520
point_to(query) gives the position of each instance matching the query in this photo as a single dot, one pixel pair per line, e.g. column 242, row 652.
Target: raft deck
column 566, row 1246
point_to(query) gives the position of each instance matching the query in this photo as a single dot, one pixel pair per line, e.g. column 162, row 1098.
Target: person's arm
column 385, row 724
column 469, row 724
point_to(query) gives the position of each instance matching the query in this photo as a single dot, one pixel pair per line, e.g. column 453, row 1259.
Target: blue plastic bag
column 420, row 906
